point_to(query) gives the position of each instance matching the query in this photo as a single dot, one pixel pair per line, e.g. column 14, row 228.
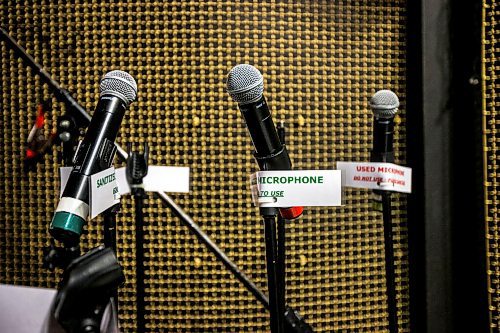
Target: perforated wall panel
column 321, row 61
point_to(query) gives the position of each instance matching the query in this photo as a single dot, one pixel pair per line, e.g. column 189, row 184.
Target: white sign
column 103, row 191
column 158, row 179
column 296, row 188
column 376, row 176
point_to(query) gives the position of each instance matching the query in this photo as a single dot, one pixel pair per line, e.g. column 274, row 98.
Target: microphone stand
column 275, row 263
column 139, row 196
column 389, row 262
column 269, row 218
column 85, row 289
column 275, row 254
column 382, row 152
column 294, row 322
column 137, row 169
column 109, row 221
column 382, row 203
column 281, row 224
column 281, row 266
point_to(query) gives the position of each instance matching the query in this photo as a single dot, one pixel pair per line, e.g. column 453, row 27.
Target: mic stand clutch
column 85, row 290
column 67, row 133
column 59, row 257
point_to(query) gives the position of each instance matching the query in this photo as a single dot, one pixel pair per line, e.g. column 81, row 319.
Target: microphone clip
column 137, row 166
column 86, row 288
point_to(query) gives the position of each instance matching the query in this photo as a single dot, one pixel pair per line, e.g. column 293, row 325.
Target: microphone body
column 245, row 84
column 383, row 133
column 95, row 153
column 270, row 153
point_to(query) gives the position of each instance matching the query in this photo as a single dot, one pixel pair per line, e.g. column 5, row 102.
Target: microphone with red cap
column 245, row 85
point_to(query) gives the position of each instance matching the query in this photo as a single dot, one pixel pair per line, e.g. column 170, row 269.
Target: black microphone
column 245, row 85
column 95, row 153
column 384, row 104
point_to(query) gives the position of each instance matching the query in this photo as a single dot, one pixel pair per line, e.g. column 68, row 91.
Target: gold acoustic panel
column 321, row 61
column 491, row 141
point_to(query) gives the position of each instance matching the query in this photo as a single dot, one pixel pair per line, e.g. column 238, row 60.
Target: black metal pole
column 389, row 263
column 61, row 94
column 109, row 221
column 272, row 280
column 281, row 266
column 219, row 254
column 139, row 196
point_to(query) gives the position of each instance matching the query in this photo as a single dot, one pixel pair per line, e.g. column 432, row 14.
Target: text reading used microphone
column 384, row 104
column 95, row 153
column 245, row 85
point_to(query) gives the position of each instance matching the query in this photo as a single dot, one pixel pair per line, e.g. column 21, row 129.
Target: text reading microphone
column 95, row 153
column 245, row 85
column 384, row 104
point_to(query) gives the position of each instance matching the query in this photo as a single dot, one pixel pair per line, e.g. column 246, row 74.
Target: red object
column 30, row 153
column 40, row 117
column 291, row 213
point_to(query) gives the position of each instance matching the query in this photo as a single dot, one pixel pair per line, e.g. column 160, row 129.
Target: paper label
column 296, row 188
column 64, row 173
column 376, row 176
column 158, row 179
column 104, row 191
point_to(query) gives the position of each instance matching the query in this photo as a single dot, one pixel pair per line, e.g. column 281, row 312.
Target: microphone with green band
column 95, row 153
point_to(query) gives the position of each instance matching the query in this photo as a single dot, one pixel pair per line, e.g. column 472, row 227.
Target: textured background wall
column 321, row 61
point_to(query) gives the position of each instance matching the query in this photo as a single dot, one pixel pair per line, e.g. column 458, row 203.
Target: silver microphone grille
column 120, row 84
column 384, row 104
column 245, row 84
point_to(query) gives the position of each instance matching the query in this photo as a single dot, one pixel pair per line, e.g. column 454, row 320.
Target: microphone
column 94, row 154
column 384, row 104
column 245, row 85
